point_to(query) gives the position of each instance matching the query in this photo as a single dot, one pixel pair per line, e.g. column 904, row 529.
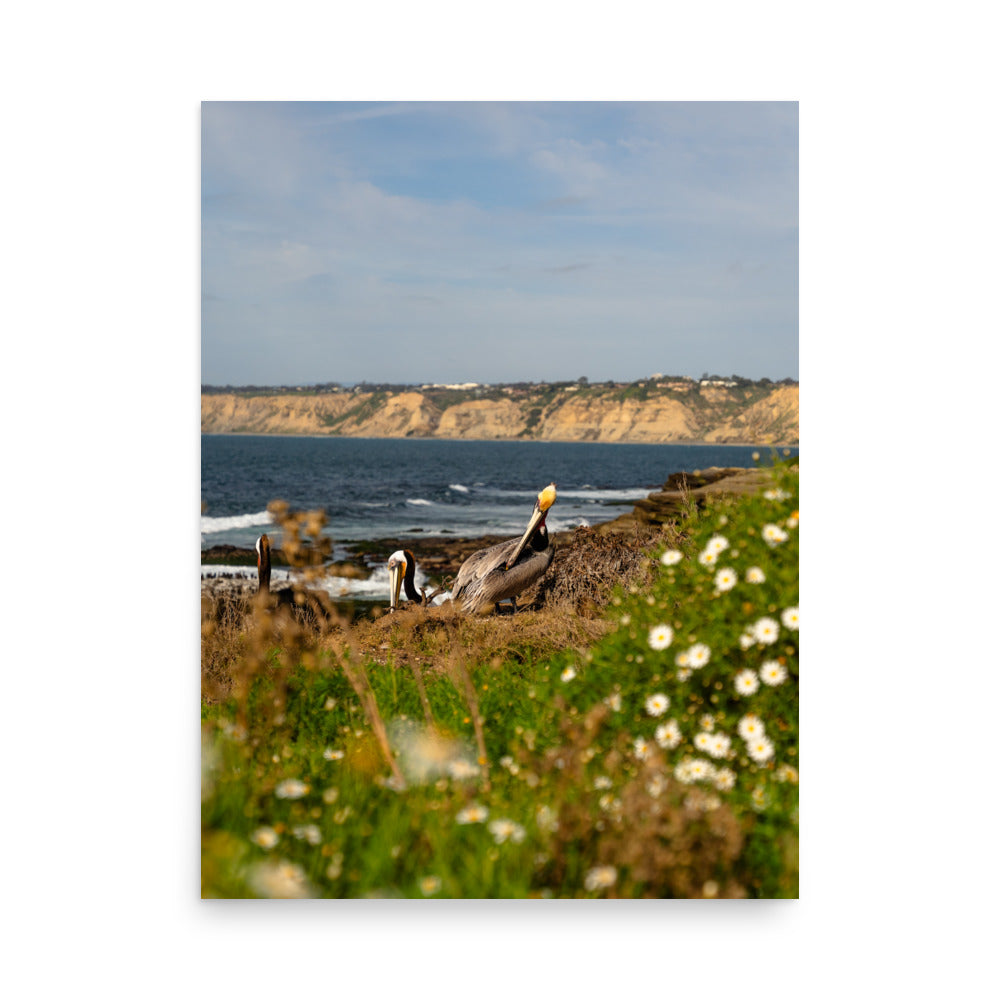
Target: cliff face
column 757, row 415
column 651, row 421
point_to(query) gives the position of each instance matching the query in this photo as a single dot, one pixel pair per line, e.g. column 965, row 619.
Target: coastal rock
column 683, row 488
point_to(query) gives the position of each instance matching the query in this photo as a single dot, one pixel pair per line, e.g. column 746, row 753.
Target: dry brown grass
column 432, row 635
column 587, row 569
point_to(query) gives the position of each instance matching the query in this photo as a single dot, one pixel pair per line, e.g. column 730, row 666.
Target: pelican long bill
column 397, row 566
column 545, row 500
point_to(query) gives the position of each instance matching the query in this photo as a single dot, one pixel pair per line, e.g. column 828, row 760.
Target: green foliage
column 622, row 769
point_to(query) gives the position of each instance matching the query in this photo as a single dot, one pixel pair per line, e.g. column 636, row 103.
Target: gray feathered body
column 483, row 580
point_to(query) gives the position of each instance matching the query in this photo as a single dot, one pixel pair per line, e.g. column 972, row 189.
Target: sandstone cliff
column 756, row 414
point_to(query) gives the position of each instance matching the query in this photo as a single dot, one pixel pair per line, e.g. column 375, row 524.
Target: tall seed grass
column 650, row 752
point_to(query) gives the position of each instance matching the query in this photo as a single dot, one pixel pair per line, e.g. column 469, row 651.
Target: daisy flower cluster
column 758, row 746
column 728, row 618
column 695, row 769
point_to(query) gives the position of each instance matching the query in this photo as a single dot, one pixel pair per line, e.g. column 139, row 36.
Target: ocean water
column 399, row 488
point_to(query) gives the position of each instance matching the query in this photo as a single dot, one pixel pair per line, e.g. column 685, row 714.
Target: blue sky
column 494, row 242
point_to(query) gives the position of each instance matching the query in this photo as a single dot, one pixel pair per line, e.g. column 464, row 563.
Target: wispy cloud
column 344, row 223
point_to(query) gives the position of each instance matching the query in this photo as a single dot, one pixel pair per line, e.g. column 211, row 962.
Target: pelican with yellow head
column 503, row 571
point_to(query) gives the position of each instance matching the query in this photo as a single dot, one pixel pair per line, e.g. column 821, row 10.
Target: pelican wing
column 499, row 584
column 480, row 563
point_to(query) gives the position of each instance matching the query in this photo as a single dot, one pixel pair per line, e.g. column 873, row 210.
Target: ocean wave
column 278, row 576
column 210, row 525
column 567, row 524
column 459, row 487
column 598, row 496
column 418, row 502
column 375, row 587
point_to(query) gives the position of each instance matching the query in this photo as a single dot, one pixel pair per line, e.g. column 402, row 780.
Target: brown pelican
column 503, row 571
column 306, row 605
column 402, row 567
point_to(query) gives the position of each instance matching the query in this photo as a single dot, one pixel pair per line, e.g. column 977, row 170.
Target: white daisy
column 601, row 877
column 280, row 880
column 657, row 704
column 725, row 579
column 703, row 741
column 772, row 673
column 567, row 675
column 700, row 770
column 683, row 674
column 698, row 655
column 717, row 544
column 309, row 833
column 602, row 782
column 750, row 727
column 656, row 785
column 746, row 682
column 755, row 575
column 765, row 631
column 760, row 749
column 681, row 659
column 430, row 884
column 708, row 558
column 641, row 748
column 747, row 640
column 461, row 769
column 330, row 754
column 472, row 814
column 671, row 557
column 609, row 804
column 724, row 779
column 291, row 788
column 660, row 636
column 614, row 701
column 264, row 836
column 719, row 744
column 707, row 722
column 506, row 829
column 776, row 494
column 668, row 735
column 682, row 772
column 773, row 535
column 546, row 819
column 790, row 619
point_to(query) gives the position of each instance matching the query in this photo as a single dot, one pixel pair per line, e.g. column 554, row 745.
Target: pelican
column 308, row 606
column 503, row 571
column 402, row 567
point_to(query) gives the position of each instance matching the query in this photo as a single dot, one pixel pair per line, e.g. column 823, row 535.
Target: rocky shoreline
column 440, row 556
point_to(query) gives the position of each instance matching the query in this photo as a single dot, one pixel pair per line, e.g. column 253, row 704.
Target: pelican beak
column 396, row 569
column 545, row 500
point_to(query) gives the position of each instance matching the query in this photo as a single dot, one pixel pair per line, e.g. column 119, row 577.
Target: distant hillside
column 641, row 412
